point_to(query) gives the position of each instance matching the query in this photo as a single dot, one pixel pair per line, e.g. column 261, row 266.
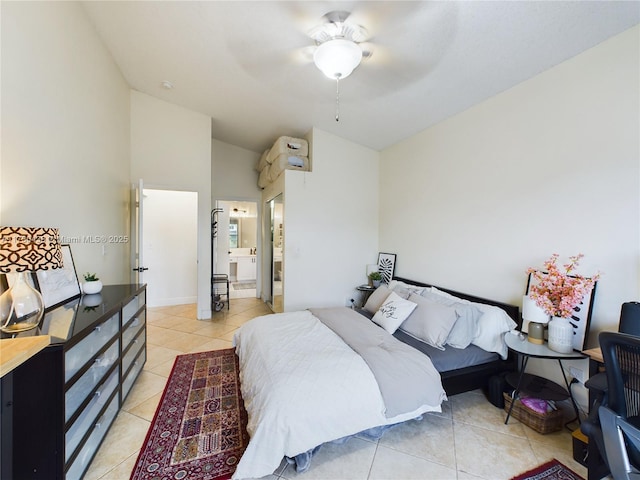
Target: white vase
column 560, row 335
column 90, row 288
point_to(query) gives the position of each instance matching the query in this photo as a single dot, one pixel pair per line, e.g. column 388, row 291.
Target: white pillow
column 467, row 327
column 393, row 312
column 405, row 288
column 492, row 325
column 431, row 322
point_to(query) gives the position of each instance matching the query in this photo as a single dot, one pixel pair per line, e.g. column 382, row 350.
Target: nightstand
column 366, row 291
column 537, row 386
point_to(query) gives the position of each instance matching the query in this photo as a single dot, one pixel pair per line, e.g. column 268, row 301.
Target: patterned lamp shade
column 27, row 249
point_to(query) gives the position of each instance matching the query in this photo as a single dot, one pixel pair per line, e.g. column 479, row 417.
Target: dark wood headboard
column 512, row 310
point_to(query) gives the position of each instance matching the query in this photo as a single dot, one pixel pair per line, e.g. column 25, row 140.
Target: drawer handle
column 102, row 361
column 98, row 328
column 98, row 393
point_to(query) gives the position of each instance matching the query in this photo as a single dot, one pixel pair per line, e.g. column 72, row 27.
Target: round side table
column 537, row 386
column 366, row 291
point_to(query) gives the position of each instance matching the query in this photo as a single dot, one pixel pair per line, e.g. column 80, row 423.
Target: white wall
column 551, row 165
column 233, row 172
column 65, row 133
column 330, row 223
column 171, row 149
column 170, row 220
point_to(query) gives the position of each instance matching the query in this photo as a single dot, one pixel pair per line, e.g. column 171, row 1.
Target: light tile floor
column 468, row 440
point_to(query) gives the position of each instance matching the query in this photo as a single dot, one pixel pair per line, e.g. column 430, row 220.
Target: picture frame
column 580, row 319
column 386, row 266
column 60, row 285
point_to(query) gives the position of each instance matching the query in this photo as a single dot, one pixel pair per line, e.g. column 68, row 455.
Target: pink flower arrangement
column 556, row 292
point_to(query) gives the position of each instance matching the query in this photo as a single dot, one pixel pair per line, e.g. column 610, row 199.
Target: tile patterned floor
column 468, row 440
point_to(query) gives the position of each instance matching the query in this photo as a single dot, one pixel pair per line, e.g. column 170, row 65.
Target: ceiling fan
column 389, row 45
column 339, row 48
column 339, row 45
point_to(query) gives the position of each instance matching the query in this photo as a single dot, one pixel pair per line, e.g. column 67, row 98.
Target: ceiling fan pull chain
column 338, row 98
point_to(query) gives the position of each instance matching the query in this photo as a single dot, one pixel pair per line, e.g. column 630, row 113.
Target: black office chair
column 629, row 324
column 620, row 415
column 597, row 385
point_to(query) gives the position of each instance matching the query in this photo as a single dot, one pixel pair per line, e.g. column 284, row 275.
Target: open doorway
column 236, row 251
column 170, row 235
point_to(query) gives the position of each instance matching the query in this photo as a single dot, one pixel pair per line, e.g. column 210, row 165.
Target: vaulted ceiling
column 248, row 65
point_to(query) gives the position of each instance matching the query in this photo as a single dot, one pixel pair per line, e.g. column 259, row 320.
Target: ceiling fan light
column 337, row 58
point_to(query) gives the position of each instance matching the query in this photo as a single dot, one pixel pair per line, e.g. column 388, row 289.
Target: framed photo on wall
column 386, row 265
column 60, row 285
column 580, row 319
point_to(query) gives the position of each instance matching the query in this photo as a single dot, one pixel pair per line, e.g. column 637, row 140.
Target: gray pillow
column 376, row 299
column 431, row 322
column 466, row 328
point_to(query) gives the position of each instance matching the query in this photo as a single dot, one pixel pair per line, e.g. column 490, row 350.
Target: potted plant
column 92, row 284
column 375, row 278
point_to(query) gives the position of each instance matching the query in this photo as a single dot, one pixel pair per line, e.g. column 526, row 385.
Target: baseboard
column 169, row 302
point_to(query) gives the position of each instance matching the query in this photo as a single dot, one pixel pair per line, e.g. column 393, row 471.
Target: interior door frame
column 137, row 215
column 217, row 202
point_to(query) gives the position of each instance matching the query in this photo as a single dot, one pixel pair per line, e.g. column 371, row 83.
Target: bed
column 321, row 375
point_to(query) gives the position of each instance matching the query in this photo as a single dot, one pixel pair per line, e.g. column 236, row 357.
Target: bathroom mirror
column 243, row 232
column 243, row 224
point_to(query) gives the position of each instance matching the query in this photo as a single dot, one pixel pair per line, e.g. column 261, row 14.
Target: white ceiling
column 246, row 64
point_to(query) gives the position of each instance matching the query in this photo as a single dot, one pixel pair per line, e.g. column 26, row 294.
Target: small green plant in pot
column 92, row 284
column 375, row 278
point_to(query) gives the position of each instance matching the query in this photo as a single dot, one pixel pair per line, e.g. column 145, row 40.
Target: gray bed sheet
column 448, row 359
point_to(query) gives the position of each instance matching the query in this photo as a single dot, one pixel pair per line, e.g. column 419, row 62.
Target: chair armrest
column 597, row 383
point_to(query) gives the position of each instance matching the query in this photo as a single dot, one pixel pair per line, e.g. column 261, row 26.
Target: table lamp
column 23, row 250
column 537, row 319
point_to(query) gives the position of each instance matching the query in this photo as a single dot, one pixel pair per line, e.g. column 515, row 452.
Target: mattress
column 288, row 146
column 450, row 358
column 262, row 163
column 287, row 162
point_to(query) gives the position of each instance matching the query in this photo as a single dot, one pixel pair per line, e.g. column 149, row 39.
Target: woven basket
column 542, row 423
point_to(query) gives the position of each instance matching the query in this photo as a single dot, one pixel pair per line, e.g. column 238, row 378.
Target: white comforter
column 302, row 386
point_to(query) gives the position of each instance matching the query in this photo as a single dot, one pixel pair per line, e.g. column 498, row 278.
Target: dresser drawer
column 128, row 358
column 80, row 463
column 128, row 381
column 87, row 418
column 78, row 355
column 88, row 381
column 133, row 306
column 131, row 330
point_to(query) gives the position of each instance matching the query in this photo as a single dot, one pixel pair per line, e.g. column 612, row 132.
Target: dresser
column 58, row 405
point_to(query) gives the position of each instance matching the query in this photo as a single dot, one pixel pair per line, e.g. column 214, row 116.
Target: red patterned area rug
column 553, row 470
column 199, row 430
